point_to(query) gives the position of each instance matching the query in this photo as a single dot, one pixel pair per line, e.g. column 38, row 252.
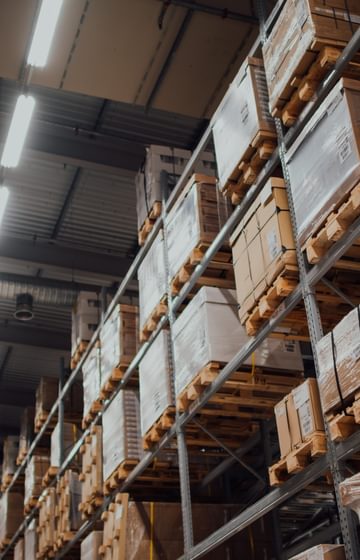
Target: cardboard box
column 11, row 514
column 241, row 115
column 322, row 552
column 91, row 378
column 26, row 432
column 34, row 473
column 90, row 546
column 86, row 315
column 292, row 44
column 332, row 155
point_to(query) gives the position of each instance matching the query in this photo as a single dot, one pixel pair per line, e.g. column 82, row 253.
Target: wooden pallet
column 89, row 507
column 90, row 416
column 298, row 459
column 259, row 152
column 6, row 480
column 76, row 357
column 246, row 395
column 158, row 429
column 115, row 377
column 31, row 503
column 152, row 322
column 40, row 419
column 219, row 273
column 49, row 476
column 21, row 456
column 149, row 223
column 343, row 424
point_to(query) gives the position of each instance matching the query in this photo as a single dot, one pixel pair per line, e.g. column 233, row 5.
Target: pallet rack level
column 274, row 498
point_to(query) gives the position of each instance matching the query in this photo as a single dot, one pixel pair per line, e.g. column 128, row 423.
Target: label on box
column 305, row 419
column 272, row 242
column 343, row 145
column 289, row 346
column 244, row 111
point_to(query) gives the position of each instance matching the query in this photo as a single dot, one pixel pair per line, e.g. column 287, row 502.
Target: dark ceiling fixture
column 24, row 307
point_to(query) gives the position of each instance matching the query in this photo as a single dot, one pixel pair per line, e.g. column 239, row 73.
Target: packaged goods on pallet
column 68, row 516
column 244, row 132
column 156, row 391
column 266, row 232
column 91, row 384
column 46, row 395
column 30, row 541
column 35, row 470
column 350, row 493
column 10, row 453
column 26, row 433
column 46, row 524
column 90, row 546
column 332, row 170
column 71, row 434
column 91, row 472
column 152, row 287
column 118, row 344
column 85, row 318
column 322, row 552
column 192, row 224
column 19, row 550
column 303, row 45
column 11, row 515
column 208, row 332
column 121, row 431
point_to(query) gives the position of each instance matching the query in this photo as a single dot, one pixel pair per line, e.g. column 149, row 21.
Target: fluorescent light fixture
column 4, row 195
column 44, row 32
column 19, row 127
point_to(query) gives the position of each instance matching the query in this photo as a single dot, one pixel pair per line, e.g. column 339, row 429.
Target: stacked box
column 90, row 546
column 68, row 499
column 91, row 471
column 30, row 541
column 239, row 120
column 26, row 432
column 195, row 219
column 298, row 416
column 152, row 279
column 266, row 232
column 322, row 552
column 11, row 514
column 208, row 330
column 91, row 379
column 71, row 434
column 156, row 390
column 339, row 362
column 118, row 340
column 34, row 473
column 19, row 550
column 121, row 431
column 301, row 30
column 332, row 156
column 350, row 493
column 46, row 525
column 86, row 315
column 10, row 453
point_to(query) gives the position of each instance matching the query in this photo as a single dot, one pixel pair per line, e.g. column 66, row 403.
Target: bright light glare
column 4, row 195
column 44, row 32
column 19, row 127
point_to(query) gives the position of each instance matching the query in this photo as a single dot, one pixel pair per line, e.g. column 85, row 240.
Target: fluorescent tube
column 44, row 32
column 4, row 195
column 19, row 127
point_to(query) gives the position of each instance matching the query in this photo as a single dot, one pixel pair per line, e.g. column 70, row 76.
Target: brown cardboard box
column 11, row 514
column 322, row 552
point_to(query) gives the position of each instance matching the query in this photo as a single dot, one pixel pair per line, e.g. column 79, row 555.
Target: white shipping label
column 343, row 145
column 273, row 244
column 305, row 419
column 289, row 346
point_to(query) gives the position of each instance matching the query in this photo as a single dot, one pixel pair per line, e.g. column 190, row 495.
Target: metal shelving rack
column 337, row 453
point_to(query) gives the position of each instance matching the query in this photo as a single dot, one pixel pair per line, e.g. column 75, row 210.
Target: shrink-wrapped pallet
column 91, row 378
column 195, row 220
column 241, row 117
column 71, row 434
column 302, row 29
column 26, row 432
column 19, row 550
column 208, row 330
column 152, row 279
column 338, row 355
column 118, row 337
column 10, row 453
column 332, row 154
column 11, row 514
column 90, row 546
column 34, row 473
column 85, row 317
column 156, row 391
column 350, row 493
column 30, row 541
column 121, row 431
column 322, row 552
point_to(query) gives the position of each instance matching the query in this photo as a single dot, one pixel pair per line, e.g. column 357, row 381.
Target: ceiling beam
column 41, row 282
column 33, row 336
column 48, row 253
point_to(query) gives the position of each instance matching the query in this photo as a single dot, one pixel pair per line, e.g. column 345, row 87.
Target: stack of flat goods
column 26, row 433
column 19, row 550
column 118, row 345
column 86, row 315
column 10, row 453
column 46, row 524
column 301, row 431
column 30, row 541
column 263, row 282
column 11, row 516
column 244, row 131
column 70, row 435
column 91, row 385
column 68, row 517
column 35, row 470
column 90, row 546
column 192, row 225
column 91, row 477
column 322, row 552
column 302, row 47
column 339, row 380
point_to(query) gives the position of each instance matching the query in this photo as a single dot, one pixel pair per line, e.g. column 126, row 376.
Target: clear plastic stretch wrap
column 156, row 392
column 91, row 378
column 71, row 434
column 118, row 339
column 30, row 541
column 11, row 514
column 121, row 431
column 209, row 330
column 339, row 362
column 331, row 152
column 90, row 546
column 19, row 550
column 10, row 453
column 243, row 113
column 350, row 493
column 34, row 473
column 86, row 315
column 287, row 49
column 26, row 431
column 152, row 279
column 322, row 552
column 197, row 217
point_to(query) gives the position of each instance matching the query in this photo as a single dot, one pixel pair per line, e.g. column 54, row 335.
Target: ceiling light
column 44, row 32
column 18, row 130
column 4, row 195
column 24, row 307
